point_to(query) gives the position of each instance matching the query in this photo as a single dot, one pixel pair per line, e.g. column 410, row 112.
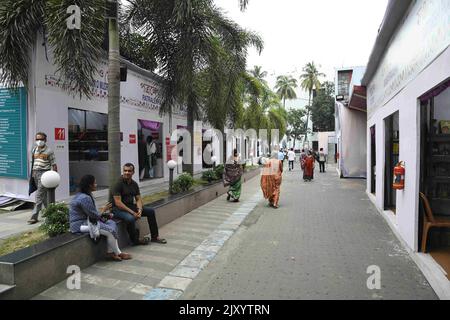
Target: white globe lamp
column 50, row 180
column 171, row 164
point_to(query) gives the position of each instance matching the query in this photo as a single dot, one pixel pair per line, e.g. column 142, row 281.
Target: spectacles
column 40, row 139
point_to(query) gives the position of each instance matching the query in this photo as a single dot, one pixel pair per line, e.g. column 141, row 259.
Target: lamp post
column 214, row 159
column 171, row 165
column 50, row 180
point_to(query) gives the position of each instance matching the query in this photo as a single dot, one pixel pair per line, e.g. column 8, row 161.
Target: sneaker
column 159, row 240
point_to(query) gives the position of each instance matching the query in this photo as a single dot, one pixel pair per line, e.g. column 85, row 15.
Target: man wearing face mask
column 43, row 160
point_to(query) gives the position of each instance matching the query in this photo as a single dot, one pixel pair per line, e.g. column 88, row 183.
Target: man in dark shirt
column 128, row 206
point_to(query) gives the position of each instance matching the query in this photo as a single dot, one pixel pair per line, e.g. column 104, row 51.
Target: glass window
column 88, row 136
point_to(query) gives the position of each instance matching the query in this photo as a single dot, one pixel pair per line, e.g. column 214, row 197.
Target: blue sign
column 13, row 133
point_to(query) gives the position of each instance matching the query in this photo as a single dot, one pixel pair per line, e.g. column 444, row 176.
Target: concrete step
column 4, row 288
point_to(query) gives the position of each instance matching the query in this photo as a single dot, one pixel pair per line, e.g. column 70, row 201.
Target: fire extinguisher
column 399, row 176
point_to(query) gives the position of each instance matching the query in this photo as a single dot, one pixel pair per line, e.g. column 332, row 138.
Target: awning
column 358, row 100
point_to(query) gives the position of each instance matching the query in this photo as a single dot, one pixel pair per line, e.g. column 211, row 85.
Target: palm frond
column 19, row 23
column 76, row 52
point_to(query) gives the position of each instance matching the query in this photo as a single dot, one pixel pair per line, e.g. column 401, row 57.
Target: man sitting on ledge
column 128, row 206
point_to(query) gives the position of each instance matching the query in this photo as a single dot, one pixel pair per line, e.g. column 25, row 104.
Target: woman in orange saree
column 271, row 179
column 308, row 171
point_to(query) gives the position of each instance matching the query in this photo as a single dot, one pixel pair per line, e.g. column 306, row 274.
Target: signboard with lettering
column 423, row 35
column 13, row 133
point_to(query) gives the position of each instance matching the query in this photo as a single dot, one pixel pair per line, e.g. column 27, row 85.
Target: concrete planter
column 29, row 271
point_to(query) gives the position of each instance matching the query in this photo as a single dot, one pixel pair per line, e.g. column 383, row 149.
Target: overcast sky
column 332, row 33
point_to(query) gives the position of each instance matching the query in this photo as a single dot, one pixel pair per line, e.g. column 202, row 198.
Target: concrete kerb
column 175, row 284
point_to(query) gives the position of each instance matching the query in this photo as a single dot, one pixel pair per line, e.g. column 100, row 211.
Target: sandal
column 125, row 256
column 159, row 240
column 113, row 256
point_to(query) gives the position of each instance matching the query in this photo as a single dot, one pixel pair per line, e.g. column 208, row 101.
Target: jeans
column 291, row 163
column 131, row 223
column 322, row 166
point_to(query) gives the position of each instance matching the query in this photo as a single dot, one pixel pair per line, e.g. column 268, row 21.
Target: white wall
column 352, row 146
column 48, row 109
column 406, row 102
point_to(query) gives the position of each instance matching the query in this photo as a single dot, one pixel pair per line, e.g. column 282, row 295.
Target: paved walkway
column 164, row 271
column 318, row 245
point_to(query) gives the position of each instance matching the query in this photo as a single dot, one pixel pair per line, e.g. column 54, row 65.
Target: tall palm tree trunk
column 114, row 103
column 307, row 118
column 188, row 166
column 224, row 148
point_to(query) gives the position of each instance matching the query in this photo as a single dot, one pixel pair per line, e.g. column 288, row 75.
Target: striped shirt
column 44, row 159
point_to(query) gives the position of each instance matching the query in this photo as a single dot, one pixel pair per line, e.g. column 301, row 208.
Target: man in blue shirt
column 281, row 156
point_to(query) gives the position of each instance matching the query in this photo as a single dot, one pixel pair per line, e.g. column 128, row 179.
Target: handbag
column 32, row 187
column 94, row 229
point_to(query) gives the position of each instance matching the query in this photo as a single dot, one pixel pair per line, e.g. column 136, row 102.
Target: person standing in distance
column 291, row 158
column 43, row 159
column 322, row 160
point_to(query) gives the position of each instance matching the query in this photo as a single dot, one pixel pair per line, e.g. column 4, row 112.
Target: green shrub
column 56, row 219
column 209, row 175
column 182, row 183
column 219, row 171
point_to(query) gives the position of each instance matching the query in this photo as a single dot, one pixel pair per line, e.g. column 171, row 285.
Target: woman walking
column 271, row 179
column 233, row 177
column 308, row 172
column 82, row 208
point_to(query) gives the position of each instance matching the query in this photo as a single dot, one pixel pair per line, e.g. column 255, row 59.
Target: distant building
column 350, row 126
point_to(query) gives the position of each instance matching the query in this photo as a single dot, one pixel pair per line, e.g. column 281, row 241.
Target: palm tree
column 285, row 88
column 199, row 51
column 76, row 53
column 310, row 81
column 263, row 109
column 259, row 74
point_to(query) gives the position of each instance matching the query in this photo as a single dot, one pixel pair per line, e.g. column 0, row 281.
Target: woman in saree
column 308, row 172
column 233, row 177
column 271, row 179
